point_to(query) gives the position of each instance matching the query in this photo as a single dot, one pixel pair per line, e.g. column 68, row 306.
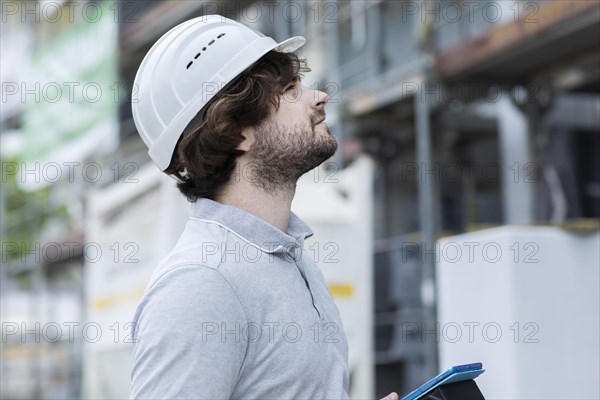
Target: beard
column 282, row 153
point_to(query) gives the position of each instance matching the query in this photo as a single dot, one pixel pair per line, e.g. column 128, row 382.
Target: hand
column 391, row 396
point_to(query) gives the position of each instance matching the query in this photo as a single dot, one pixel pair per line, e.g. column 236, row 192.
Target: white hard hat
column 185, row 69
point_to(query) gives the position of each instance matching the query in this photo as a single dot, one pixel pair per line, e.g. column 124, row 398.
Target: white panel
column 542, row 291
column 134, row 224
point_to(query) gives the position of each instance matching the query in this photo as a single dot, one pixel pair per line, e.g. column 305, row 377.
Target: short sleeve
column 188, row 339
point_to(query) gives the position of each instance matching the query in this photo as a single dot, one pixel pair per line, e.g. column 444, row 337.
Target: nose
column 320, row 99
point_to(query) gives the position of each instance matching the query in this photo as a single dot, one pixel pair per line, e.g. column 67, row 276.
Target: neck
column 273, row 207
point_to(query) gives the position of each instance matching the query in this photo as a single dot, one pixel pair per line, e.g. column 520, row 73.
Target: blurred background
column 458, row 221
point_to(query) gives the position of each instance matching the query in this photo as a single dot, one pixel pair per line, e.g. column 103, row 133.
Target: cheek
column 291, row 119
column 286, row 111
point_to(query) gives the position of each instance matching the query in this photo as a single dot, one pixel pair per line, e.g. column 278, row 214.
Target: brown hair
column 205, row 155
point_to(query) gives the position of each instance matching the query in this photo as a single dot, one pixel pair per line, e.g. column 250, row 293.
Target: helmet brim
column 290, row 45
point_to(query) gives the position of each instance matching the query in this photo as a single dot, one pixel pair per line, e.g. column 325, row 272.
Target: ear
column 249, row 138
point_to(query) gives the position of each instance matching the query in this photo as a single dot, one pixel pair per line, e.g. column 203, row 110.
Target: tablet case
column 454, row 377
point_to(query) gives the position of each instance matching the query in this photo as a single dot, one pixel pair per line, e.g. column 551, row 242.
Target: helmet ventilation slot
column 203, row 49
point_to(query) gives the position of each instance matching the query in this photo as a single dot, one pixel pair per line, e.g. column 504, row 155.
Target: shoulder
column 189, row 294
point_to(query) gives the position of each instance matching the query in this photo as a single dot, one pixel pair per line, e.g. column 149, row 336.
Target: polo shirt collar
column 251, row 228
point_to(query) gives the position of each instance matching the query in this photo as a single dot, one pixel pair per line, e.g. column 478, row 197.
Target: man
column 237, row 309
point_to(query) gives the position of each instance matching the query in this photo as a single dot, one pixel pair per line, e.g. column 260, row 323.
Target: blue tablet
column 455, row 374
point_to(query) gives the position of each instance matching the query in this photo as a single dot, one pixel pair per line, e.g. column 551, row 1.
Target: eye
column 290, row 87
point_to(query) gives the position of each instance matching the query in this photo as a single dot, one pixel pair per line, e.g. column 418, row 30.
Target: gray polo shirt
column 238, row 310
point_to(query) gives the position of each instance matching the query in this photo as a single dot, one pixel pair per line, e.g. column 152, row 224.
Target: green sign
column 71, row 109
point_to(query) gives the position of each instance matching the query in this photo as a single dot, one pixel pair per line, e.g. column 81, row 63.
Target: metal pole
column 427, row 221
column 427, row 209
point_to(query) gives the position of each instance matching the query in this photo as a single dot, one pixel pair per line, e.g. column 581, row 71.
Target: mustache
column 317, row 117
